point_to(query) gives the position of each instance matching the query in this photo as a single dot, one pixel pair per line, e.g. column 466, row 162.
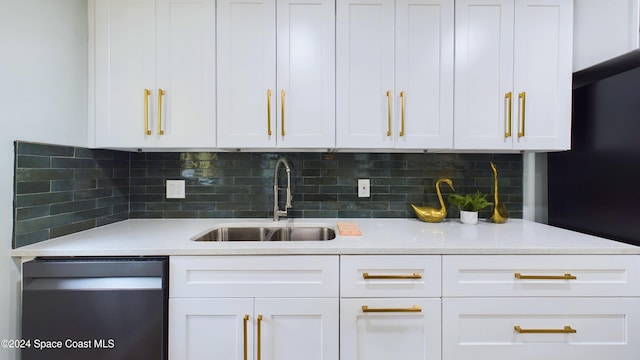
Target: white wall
column 43, row 87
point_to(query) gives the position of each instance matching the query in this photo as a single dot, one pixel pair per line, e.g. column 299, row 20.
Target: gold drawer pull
column 282, row 103
column 415, row 275
column 565, row 330
column 259, row 350
column 160, row 95
column 402, row 95
column 522, row 96
column 388, row 112
column 147, row 131
column 269, row 112
column 545, row 277
column 509, row 97
column 244, row 326
column 415, row 308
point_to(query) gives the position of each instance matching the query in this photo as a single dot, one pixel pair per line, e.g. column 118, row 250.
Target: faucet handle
column 288, row 205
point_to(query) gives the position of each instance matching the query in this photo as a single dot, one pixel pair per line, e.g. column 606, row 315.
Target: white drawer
column 253, row 276
column 397, row 328
column 541, row 275
column 485, row 328
column 390, row 276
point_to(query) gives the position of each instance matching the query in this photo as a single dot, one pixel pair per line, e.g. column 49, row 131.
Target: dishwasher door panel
column 94, row 318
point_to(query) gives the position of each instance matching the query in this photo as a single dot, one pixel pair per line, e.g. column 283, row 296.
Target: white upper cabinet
column 394, row 74
column 153, row 78
column 603, row 30
column 513, row 74
column 276, row 74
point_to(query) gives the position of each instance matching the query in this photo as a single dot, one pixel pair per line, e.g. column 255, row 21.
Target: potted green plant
column 469, row 205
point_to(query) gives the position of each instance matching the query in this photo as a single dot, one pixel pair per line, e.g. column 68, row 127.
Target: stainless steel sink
column 263, row 233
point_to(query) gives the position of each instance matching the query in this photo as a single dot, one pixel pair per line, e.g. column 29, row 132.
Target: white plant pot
column 469, row 217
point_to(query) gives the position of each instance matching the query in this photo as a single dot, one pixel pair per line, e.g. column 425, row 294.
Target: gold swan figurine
column 430, row 214
column 500, row 213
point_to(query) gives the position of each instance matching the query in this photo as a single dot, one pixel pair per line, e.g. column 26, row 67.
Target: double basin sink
column 268, row 233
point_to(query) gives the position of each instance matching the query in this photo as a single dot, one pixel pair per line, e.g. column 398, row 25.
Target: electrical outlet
column 364, row 188
column 175, row 189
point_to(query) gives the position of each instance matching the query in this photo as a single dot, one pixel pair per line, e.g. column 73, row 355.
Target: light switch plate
column 364, row 188
column 175, row 189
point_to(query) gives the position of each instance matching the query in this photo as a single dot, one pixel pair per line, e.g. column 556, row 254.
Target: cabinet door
column 424, row 74
column 201, row 328
column 306, row 74
column 387, row 335
column 543, row 76
column 484, row 73
column 293, row 329
column 124, row 67
column 364, row 73
column 186, row 66
column 246, row 76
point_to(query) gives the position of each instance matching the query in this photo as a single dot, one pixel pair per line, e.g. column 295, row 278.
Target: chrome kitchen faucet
column 276, row 209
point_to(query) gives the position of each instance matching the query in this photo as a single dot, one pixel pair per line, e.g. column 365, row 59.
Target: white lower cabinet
column 409, row 307
column 253, row 307
column 246, row 328
column 390, row 307
column 541, row 328
column 541, row 306
column 390, row 328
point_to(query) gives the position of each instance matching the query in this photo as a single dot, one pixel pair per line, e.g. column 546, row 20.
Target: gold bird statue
column 431, row 214
column 500, row 213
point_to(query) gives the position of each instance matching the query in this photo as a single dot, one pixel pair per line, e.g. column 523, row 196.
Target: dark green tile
column 34, row 162
column 27, row 148
column 32, row 187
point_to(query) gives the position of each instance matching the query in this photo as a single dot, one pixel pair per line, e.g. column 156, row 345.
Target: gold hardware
column 147, row 131
column 564, row 330
column 523, row 96
column 259, row 335
column 269, row 112
column 389, row 112
column 160, row 94
column 509, row 97
column 415, row 275
column 500, row 212
column 244, row 321
column 415, row 308
column 545, row 277
column 402, row 114
column 431, row 214
column 282, row 103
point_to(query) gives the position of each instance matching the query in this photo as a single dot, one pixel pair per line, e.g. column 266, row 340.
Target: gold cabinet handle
column 402, row 94
column 269, row 112
column 388, row 112
column 244, row 325
column 259, row 335
column 415, row 308
column 415, row 275
column 160, row 95
column 282, row 104
column 564, row 330
column 147, row 131
column 509, row 97
column 545, row 277
column 522, row 97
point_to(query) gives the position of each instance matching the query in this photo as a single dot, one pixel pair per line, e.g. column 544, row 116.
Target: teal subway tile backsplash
column 62, row 189
column 66, row 189
column 323, row 184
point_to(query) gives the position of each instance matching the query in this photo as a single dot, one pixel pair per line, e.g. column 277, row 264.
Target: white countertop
column 379, row 236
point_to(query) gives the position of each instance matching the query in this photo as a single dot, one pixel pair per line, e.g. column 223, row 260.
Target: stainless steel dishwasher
column 95, row 308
